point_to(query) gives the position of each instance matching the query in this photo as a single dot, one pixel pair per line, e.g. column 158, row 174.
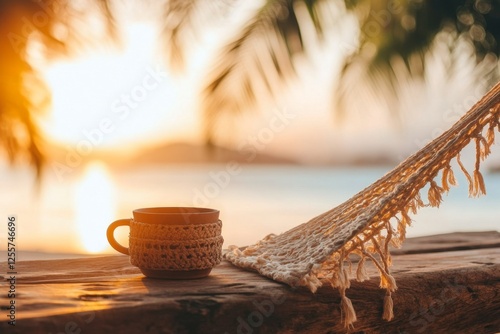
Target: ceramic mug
column 172, row 242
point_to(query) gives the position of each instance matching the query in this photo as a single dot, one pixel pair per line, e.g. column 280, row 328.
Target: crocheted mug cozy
column 175, row 247
column 172, row 242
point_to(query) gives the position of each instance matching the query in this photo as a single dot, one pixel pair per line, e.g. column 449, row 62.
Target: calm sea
column 70, row 214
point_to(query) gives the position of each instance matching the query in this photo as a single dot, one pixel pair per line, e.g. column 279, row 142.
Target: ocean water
column 71, row 214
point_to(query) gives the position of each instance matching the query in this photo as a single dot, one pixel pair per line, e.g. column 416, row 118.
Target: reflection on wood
column 447, row 284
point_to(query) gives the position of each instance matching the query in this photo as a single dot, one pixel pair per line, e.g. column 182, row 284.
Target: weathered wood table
column 447, row 284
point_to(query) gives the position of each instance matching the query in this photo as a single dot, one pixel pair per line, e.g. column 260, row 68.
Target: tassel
column 434, row 194
column 340, row 278
column 479, row 186
column 387, row 282
column 448, row 178
column 388, row 307
column 347, row 310
column 361, row 273
column 451, row 177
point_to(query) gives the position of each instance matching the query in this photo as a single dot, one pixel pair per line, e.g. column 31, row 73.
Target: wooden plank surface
column 452, row 285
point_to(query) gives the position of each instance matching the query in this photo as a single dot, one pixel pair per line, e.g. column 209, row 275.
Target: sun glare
column 128, row 90
column 95, row 207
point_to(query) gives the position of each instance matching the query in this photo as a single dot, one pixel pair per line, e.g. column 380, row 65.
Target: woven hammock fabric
column 374, row 219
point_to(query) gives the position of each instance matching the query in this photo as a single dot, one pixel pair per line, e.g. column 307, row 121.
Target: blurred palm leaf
column 29, row 30
column 261, row 53
column 407, row 29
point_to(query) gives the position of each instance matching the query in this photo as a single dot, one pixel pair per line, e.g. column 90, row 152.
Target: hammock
column 366, row 225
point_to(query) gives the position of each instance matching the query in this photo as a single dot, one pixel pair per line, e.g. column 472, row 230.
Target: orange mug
column 172, row 242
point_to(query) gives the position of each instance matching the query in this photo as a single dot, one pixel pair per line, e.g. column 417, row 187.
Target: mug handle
column 111, row 237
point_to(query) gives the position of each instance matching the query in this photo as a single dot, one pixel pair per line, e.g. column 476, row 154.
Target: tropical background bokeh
column 272, row 111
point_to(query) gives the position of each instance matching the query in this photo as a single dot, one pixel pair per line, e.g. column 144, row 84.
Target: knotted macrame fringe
column 388, row 307
column 348, row 313
column 375, row 219
column 340, row 280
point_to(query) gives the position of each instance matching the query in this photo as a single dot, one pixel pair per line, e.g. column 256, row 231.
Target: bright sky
column 129, row 92
column 125, row 95
column 123, row 99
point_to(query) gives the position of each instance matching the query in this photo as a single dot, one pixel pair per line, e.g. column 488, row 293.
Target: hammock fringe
column 388, row 307
column 347, row 311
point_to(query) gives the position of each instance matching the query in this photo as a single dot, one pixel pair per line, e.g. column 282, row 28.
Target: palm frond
column 256, row 61
column 407, row 30
column 184, row 20
column 58, row 27
column 179, row 14
column 259, row 59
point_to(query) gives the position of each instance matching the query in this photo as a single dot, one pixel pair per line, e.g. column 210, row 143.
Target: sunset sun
column 114, row 98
